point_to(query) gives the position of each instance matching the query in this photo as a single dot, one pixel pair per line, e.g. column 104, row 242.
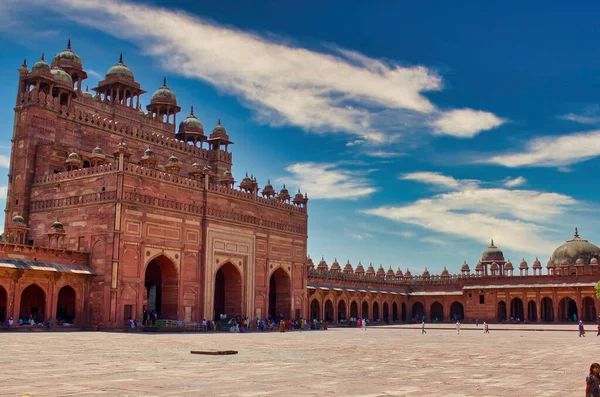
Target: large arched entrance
column 65, row 306
column 33, row 303
column 375, row 311
column 314, row 310
column 328, row 311
column 516, row 309
column 162, row 292
column 567, row 310
column 280, row 298
column 354, row 309
column 341, row 311
column 394, row 312
column 403, row 316
column 589, row 309
column 547, row 310
column 3, row 304
column 532, row 312
column 501, row 311
column 457, row 311
column 365, row 310
column 228, row 291
column 386, row 312
column 418, row 311
column 437, row 312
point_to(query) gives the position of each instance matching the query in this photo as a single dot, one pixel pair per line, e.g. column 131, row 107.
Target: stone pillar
column 555, row 302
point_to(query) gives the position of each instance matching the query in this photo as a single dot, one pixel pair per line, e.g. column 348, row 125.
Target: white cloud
column 93, row 73
column 3, row 192
column 384, row 155
column 552, row 151
column 437, row 179
column 465, row 123
column 517, row 219
column 337, row 91
column 327, row 181
column 433, row 240
column 589, row 115
column 4, row 161
column 514, row 182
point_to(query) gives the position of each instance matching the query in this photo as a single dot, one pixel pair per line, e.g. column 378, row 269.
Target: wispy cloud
column 383, row 154
column 514, row 182
column 516, row 218
column 328, row 181
column 589, row 115
column 94, row 74
column 337, row 90
column 551, row 151
column 437, row 179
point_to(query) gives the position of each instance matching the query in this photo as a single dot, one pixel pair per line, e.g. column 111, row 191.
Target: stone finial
column 121, row 58
column 576, row 233
column 69, row 44
column 164, row 82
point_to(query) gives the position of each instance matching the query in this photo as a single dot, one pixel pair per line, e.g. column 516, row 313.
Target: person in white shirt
column 457, row 327
column 10, row 323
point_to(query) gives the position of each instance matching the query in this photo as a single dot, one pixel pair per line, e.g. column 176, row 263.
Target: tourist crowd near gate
column 115, row 210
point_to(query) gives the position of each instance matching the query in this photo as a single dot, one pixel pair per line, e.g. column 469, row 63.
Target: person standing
column 359, row 324
column 423, row 327
column 364, row 324
column 10, row 323
column 477, row 322
column 592, row 386
column 486, row 328
column 457, row 327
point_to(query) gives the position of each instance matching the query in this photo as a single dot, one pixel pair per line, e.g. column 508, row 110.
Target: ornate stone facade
column 493, row 293
column 147, row 208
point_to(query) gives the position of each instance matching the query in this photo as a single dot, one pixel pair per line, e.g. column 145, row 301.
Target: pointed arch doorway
column 162, row 288
column 280, row 298
column 228, row 291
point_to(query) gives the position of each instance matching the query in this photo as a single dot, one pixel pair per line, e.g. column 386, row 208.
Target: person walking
column 486, row 328
column 457, row 327
column 423, row 327
column 364, row 324
column 581, row 329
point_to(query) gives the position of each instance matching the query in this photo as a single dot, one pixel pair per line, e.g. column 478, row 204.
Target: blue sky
column 419, row 131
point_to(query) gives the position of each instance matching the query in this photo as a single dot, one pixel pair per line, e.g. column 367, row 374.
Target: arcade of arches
column 325, row 305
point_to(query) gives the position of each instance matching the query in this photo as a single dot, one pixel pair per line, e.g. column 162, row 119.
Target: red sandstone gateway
column 112, row 212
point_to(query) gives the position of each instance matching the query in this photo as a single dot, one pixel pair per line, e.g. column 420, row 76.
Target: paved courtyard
column 390, row 361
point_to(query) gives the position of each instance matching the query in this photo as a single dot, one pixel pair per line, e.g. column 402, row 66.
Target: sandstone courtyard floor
column 384, row 361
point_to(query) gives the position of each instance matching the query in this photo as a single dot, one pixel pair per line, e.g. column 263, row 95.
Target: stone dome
column 41, row 66
column 479, row 267
column 120, row 70
column 226, row 174
column 348, row 268
column 148, row 152
column 425, row 273
column 173, row 159
column 322, row 264
column 574, row 249
column 67, row 55
column 407, row 274
column 98, row 150
column 380, row 271
column 594, row 261
column 18, row 219
column 335, row 266
column 537, row 264
column 73, row 156
column 57, row 225
column 370, row 269
column 465, row 267
column 445, row 272
column 191, row 122
column 390, row 274
column 87, row 93
column 309, row 263
column 61, row 76
column 523, row 264
column 508, row 265
column 164, row 93
column 492, row 253
column 359, row 269
column 399, row 273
